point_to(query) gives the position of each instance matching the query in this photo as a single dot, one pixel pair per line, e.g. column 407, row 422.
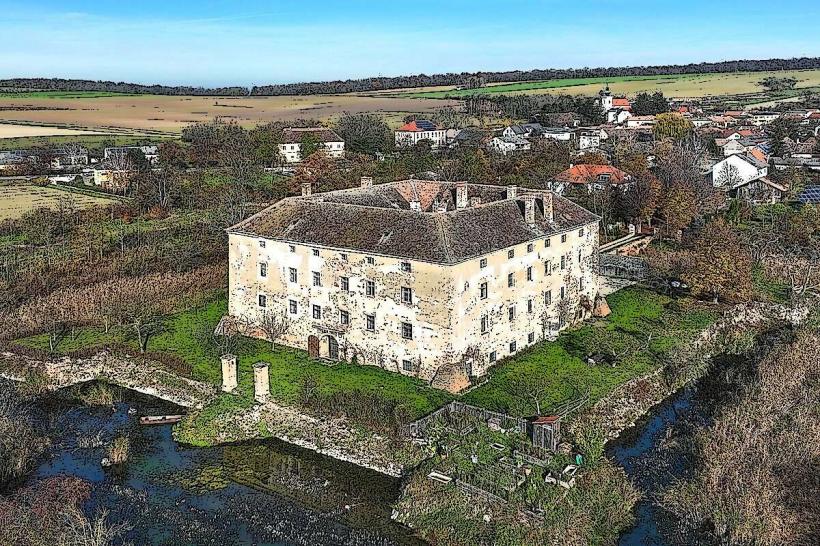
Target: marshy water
column 657, row 451
column 263, row 492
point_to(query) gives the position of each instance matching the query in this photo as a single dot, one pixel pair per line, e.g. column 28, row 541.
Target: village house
column 509, row 144
column 593, row 177
column 736, row 169
column 290, row 149
column 409, row 134
column 525, row 130
column 641, row 122
column 438, row 280
column 150, row 152
column 616, row 109
column 764, row 117
column 589, row 140
column 561, row 134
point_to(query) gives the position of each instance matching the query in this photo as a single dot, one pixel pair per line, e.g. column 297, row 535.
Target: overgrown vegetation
column 755, row 480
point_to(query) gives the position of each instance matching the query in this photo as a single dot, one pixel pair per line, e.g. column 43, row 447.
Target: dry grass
column 118, row 451
column 757, row 479
column 170, row 114
column 16, row 200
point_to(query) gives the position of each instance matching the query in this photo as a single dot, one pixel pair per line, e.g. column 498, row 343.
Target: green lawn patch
column 643, row 327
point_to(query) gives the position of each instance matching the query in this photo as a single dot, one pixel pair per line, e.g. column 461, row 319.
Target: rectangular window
column 511, row 279
column 581, row 284
column 530, row 247
column 292, row 274
column 343, row 256
column 580, row 254
column 529, row 273
column 547, row 267
column 530, row 306
column 548, row 297
column 563, row 262
column 513, row 347
column 293, row 307
column 344, row 284
column 482, row 263
column 511, row 312
column 581, row 232
column 371, row 260
column 370, row 323
column 263, row 300
column 263, row 269
column 405, row 266
column 562, row 292
column 344, row 318
column 564, row 238
column 370, row 289
column 406, row 330
column 262, row 244
column 530, row 337
column 493, row 356
column 511, row 253
column 315, row 251
column 292, row 248
column 483, row 290
column 547, row 242
column 406, row 295
column 317, row 278
column 317, row 312
column 407, row 365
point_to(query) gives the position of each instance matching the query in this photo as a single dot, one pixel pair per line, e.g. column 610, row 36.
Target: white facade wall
column 408, row 139
column 292, row 152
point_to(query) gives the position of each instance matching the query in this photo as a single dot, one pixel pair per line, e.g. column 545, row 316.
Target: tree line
column 467, row 79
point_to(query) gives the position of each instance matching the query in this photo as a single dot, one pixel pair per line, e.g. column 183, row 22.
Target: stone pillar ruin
column 261, row 382
column 229, row 372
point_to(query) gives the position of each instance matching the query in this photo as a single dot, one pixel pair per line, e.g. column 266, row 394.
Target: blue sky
column 215, row 43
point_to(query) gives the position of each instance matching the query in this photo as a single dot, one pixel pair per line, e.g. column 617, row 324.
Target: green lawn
column 61, row 94
column 642, row 328
column 187, row 335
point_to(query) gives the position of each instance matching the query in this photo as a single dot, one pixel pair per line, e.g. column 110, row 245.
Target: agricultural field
column 157, row 115
column 673, row 85
column 15, row 130
column 16, row 200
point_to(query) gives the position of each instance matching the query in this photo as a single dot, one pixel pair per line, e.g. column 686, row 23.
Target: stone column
column 229, row 372
column 261, row 382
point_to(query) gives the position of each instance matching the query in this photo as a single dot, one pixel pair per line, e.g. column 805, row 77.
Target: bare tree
column 274, row 324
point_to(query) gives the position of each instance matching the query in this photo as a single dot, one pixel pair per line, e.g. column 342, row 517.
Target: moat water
column 263, row 492
column 657, row 452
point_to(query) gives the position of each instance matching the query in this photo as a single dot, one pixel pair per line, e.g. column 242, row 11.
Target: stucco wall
column 446, row 307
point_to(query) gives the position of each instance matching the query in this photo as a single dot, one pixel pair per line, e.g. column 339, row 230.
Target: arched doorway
column 329, row 348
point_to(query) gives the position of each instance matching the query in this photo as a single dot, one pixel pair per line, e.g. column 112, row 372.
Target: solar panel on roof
column 425, row 125
column 810, row 195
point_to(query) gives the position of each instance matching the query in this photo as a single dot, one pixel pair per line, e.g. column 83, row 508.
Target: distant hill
column 419, row 80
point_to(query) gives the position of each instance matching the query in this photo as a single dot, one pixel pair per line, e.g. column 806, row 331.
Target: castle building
column 438, row 280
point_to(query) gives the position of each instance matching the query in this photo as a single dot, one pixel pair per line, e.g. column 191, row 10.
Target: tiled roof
column 584, row 174
column 379, row 220
column 322, row 134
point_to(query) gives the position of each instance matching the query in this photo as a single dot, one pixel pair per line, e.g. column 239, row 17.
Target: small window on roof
column 482, row 263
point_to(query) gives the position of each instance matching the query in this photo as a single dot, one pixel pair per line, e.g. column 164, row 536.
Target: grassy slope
column 642, row 327
column 61, row 94
column 92, row 142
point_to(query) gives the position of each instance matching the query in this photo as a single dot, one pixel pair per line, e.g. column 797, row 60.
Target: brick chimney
column 512, row 192
column 461, row 195
column 307, row 189
column 548, row 211
column 367, row 182
column 529, row 209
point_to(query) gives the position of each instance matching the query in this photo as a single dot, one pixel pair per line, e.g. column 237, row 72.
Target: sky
column 220, row 43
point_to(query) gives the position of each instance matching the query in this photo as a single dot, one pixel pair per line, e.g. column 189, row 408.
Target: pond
column 264, row 492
